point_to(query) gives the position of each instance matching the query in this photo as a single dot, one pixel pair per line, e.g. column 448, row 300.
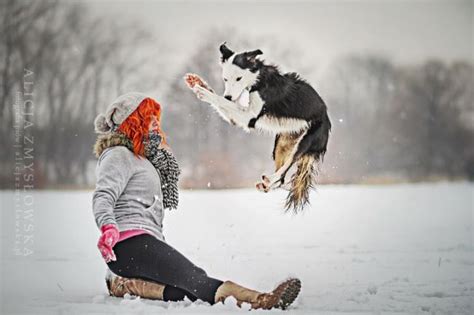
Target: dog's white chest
column 273, row 124
column 281, row 125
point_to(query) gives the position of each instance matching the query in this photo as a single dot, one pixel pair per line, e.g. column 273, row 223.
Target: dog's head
column 239, row 70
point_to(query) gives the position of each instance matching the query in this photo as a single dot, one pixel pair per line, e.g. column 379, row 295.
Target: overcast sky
column 406, row 31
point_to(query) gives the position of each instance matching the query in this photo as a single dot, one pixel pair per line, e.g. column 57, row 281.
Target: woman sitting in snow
column 137, row 178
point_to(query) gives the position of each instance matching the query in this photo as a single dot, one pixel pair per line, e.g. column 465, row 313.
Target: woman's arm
column 113, row 172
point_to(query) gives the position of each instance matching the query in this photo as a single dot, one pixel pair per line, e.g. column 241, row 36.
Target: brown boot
column 281, row 297
column 119, row 286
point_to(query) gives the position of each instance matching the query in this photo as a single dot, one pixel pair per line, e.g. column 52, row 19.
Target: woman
column 136, row 180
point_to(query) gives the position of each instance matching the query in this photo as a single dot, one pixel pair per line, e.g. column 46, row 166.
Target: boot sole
column 290, row 293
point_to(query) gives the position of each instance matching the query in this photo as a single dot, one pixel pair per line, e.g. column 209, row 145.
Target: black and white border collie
column 282, row 104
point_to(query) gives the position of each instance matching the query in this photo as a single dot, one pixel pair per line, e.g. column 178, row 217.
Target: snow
column 358, row 250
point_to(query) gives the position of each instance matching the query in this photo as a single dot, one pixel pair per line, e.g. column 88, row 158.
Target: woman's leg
column 148, row 258
column 119, row 286
column 175, row 294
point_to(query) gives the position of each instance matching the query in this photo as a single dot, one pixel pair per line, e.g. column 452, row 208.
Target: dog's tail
column 305, row 176
column 301, row 182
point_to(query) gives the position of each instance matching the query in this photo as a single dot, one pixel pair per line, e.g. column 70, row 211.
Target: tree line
column 391, row 122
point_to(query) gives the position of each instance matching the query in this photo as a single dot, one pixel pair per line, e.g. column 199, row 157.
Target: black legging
column 146, row 257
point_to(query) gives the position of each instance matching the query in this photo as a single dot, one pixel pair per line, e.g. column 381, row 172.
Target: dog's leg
column 282, row 149
column 230, row 111
column 287, row 158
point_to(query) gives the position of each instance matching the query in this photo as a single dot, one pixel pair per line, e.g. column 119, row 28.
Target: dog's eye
column 238, row 79
column 225, row 80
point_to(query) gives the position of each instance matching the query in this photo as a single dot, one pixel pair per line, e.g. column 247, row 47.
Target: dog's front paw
column 204, row 94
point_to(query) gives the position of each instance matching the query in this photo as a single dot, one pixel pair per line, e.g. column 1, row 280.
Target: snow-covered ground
column 358, row 249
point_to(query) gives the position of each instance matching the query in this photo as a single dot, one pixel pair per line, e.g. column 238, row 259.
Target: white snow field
column 398, row 249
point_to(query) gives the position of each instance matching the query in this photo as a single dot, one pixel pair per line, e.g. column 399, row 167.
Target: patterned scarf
column 163, row 160
column 167, row 166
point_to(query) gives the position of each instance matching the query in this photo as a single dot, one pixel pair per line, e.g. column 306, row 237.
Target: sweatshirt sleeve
column 114, row 170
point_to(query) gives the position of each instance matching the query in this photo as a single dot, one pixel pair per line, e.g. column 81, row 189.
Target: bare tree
column 432, row 104
column 75, row 75
column 389, row 121
column 359, row 90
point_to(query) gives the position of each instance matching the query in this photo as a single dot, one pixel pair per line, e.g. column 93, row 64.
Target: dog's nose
column 228, row 97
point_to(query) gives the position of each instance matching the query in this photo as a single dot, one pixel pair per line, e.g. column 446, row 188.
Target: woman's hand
column 107, row 241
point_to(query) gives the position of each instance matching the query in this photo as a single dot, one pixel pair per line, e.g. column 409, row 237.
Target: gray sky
column 406, row 31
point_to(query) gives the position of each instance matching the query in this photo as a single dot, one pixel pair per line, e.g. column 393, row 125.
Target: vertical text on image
column 24, row 167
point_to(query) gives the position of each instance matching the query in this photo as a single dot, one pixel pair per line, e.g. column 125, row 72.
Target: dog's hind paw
column 261, row 186
column 266, row 180
column 270, row 184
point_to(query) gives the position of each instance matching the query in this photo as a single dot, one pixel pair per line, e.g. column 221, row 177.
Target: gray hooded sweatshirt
column 128, row 192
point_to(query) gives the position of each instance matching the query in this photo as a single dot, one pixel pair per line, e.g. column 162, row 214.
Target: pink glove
column 107, row 241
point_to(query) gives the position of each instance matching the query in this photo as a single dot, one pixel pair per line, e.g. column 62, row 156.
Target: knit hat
column 118, row 111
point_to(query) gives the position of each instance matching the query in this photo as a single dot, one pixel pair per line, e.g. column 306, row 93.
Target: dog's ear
column 225, row 52
column 252, row 55
column 255, row 53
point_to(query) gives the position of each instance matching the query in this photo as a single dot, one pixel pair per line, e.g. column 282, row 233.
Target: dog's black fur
column 289, row 96
column 292, row 109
